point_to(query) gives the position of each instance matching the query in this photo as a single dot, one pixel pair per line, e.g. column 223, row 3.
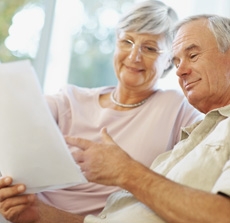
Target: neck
column 113, row 99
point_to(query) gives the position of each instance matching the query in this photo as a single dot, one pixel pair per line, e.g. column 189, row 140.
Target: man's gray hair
column 218, row 25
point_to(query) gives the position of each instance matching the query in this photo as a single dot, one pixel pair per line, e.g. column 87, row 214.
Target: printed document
column 32, row 148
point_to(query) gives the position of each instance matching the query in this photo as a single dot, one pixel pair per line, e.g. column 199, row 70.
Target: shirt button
column 103, row 216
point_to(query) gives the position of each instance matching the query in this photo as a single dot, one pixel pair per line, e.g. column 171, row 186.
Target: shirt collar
column 223, row 111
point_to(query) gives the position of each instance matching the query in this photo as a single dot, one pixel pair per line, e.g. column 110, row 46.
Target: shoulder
column 171, row 95
column 172, row 92
column 73, row 90
column 176, row 102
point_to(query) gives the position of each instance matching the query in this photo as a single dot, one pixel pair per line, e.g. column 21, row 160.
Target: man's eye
column 193, row 56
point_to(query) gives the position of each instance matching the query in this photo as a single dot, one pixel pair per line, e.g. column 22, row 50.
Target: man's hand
column 104, row 163
column 14, row 206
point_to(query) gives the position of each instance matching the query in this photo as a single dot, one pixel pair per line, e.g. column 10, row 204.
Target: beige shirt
column 200, row 160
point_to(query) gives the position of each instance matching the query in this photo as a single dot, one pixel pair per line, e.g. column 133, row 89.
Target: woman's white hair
column 152, row 17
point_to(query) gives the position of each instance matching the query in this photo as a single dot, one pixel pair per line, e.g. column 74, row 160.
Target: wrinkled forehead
column 196, row 33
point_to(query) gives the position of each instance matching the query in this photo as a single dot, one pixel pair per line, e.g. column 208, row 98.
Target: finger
column 81, row 143
column 106, row 138
column 18, row 200
column 85, row 169
column 78, row 156
column 11, row 191
column 13, row 213
column 5, row 181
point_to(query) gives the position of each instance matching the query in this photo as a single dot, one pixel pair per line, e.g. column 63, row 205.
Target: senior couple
column 191, row 182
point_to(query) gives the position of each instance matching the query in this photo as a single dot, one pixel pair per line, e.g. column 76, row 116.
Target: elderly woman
column 141, row 57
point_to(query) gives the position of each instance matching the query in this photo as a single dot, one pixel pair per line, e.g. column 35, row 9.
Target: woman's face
column 140, row 60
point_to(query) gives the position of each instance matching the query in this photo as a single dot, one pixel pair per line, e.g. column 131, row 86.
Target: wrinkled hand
column 14, row 206
column 104, row 163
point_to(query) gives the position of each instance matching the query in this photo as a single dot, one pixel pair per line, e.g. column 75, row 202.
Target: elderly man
column 191, row 183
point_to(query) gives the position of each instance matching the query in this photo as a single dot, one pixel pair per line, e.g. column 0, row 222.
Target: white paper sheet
column 32, row 149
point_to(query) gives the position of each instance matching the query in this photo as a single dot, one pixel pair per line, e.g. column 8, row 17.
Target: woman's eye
column 150, row 49
column 128, row 42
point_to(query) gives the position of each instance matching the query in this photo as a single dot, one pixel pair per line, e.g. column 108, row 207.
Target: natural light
column 69, row 17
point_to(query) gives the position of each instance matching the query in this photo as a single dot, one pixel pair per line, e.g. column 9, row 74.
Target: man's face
column 203, row 71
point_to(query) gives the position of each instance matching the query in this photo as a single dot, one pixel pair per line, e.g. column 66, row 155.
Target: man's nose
column 183, row 68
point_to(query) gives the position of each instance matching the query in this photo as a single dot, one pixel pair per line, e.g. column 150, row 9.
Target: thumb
column 106, row 138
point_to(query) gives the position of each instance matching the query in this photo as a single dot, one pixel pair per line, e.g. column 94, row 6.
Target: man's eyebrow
column 192, row 47
column 188, row 49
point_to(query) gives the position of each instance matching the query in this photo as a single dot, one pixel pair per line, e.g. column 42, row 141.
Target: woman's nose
column 135, row 54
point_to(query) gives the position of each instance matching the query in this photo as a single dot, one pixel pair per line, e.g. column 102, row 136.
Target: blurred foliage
column 91, row 67
column 94, row 66
column 8, row 8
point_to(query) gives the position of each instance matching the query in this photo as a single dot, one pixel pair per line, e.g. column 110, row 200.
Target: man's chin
column 192, row 97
